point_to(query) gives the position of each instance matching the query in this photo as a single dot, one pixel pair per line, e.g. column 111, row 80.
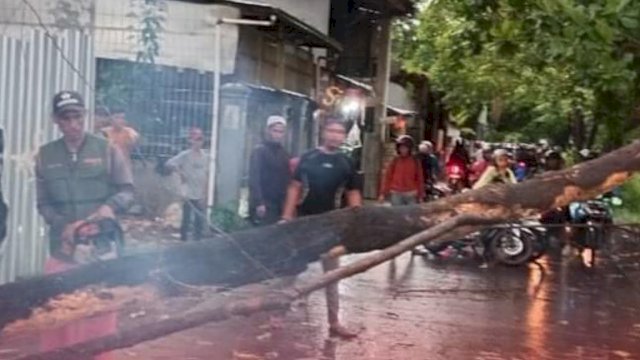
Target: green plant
column 226, row 218
column 151, row 15
column 630, row 210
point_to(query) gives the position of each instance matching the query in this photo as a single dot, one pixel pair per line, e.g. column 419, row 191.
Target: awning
column 287, row 25
column 388, row 7
column 394, row 111
column 356, row 83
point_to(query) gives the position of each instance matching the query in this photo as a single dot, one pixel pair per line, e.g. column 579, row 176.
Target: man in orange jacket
column 404, row 179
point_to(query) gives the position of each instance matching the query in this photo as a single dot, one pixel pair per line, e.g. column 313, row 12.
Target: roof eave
column 317, row 38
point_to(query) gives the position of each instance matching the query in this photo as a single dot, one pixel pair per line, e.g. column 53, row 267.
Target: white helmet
column 499, row 153
column 425, row 146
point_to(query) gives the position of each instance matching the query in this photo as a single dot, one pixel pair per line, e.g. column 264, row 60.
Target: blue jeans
column 403, row 198
column 192, row 212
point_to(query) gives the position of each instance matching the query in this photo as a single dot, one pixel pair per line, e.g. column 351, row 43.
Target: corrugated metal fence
column 32, row 69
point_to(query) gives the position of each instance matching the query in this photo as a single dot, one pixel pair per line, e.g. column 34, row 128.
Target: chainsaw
column 98, row 240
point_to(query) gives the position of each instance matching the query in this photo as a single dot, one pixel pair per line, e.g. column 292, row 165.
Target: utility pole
column 373, row 149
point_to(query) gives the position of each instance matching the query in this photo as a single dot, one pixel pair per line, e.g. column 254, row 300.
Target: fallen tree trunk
column 216, row 310
column 257, row 254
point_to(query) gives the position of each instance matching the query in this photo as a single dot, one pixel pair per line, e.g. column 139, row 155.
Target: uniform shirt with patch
column 324, row 176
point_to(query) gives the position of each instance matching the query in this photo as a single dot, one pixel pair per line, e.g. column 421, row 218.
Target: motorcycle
column 592, row 218
column 434, row 191
column 511, row 244
column 516, row 244
column 456, row 179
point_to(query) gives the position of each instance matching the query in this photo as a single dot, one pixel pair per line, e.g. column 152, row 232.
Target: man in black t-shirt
column 323, row 176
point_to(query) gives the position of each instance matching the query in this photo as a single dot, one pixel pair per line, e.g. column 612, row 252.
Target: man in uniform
column 79, row 177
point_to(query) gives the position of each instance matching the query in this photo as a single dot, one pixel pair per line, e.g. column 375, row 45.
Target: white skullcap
column 275, row 119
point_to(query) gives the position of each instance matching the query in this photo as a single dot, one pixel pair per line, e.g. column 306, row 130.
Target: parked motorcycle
column 516, row 244
column 592, row 218
column 511, row 244
column 436, row 191
column 456, row 178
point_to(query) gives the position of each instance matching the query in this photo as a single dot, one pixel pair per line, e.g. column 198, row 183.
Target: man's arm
column 135, row 136
column 175, row 162
column 420, row 180
column 385, row 184
column 294, row 192
column 43, row 199
column 122, row 179
column 354, row 186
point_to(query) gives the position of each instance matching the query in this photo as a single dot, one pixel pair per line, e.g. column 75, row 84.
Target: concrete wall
column 257, row 63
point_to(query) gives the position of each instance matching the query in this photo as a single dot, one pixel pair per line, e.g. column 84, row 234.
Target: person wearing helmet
column 457, row 167
column 429, row 162
column 403, row 182
column 587, row 155
column 553, row 161
column 522, row 167
column 481, row 163
column 498, row 173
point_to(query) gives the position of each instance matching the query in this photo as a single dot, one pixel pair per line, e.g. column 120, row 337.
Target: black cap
column 67, row 100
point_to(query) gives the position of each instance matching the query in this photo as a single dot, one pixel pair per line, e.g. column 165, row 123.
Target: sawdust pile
column 81, row 304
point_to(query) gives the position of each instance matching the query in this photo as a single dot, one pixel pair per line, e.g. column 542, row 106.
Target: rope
column 223, row 234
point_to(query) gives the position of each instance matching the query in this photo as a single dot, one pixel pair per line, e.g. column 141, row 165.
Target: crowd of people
column 84, row 177
column 411, row 178
column 81, row 171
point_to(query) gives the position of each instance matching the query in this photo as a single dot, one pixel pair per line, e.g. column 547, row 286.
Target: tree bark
column 258, row 254
column 216, row 310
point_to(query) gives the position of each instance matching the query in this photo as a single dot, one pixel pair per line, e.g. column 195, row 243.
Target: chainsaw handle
column 101, row 225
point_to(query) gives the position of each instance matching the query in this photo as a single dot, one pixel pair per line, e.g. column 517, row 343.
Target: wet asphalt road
column 414, row 308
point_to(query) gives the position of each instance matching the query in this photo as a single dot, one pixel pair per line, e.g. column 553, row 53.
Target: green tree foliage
column 151, row 15
column 121, row 84
column 561, row 68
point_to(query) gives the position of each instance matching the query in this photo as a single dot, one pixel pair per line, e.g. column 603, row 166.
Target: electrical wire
column 57, row 47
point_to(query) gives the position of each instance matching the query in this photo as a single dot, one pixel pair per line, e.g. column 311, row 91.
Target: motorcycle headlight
column 616, row 201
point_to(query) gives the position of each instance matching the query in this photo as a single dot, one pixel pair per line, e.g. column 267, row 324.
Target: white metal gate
column 32, row 69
